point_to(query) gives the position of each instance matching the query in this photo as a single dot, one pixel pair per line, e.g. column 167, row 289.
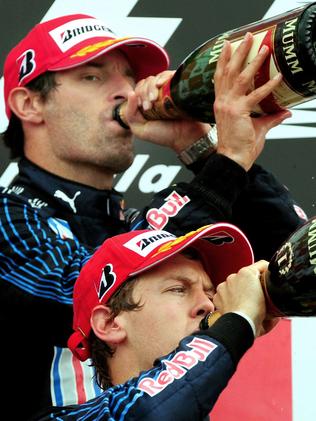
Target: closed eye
column 210, row 293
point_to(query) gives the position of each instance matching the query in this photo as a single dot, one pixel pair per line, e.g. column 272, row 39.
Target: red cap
column 70, row 41
column 222, row 247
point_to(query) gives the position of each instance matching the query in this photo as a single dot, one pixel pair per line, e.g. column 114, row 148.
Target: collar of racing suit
column 69, row 196
column 90, row 214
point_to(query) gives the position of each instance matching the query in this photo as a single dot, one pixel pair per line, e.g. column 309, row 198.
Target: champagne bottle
column 290, row 281
column 291, row 38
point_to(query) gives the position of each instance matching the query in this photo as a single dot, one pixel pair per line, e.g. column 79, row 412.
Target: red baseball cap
column 69, row 41
column 222, row 247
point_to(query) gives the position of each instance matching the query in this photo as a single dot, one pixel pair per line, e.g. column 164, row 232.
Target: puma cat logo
column 71, row 201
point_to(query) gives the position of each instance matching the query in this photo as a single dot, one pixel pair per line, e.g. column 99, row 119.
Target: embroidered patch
column 61, row 228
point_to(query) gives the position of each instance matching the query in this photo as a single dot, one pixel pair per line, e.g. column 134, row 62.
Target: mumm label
column 289, row 46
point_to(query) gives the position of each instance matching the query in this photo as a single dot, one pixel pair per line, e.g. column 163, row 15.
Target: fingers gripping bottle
column 291, row 38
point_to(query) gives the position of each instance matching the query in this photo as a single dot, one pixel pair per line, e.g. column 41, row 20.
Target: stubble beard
column 119, row 156
column 119, row 163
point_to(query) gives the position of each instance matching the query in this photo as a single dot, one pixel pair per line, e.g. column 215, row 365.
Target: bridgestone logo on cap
column 144, row 244
column 72, row 33
column 28, row 64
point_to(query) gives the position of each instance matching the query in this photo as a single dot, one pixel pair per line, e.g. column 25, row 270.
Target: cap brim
column 145, row 56
column 224, row 249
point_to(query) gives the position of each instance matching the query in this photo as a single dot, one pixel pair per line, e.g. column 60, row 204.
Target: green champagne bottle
column 291, row 39
column 290, row 281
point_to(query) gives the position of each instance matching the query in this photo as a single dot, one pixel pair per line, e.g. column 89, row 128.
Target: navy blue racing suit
column 183, row 385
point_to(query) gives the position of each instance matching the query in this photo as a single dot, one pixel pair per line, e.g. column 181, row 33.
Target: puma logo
column 71, row 201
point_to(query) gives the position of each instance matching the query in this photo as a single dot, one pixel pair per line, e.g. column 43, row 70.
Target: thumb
column 273, row 120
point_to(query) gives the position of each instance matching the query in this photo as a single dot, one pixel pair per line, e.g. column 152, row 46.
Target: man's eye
column 179, row 289
column 210, row 294
column 92, row 77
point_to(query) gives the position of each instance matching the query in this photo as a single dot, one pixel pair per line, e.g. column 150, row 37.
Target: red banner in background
column 261, row 389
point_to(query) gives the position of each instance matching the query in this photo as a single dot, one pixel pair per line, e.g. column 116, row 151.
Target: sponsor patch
column 70, row 200
column 158, row 218
column 61, row 228
column 144, row 244
column 27, row 64
column 14, row 189
column 107, row 280
column 72, row 33
column 178, row 366
column 37, row 203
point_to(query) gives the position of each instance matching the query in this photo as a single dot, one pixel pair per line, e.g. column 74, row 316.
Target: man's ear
column 106, row 327
column 26, row 104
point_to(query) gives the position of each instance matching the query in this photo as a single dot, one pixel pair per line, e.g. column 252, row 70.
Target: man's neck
column 123, row 367
column 89, row 175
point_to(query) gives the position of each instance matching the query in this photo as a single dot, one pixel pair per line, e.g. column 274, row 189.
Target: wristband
column 202, row 148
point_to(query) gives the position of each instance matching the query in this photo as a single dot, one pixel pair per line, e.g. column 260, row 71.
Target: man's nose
column 203, row 305
column 122, row 86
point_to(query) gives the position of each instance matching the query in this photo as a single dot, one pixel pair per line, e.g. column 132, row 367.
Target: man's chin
column 120, row 165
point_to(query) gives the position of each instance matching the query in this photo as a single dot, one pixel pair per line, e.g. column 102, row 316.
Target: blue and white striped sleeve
column 33, row 257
